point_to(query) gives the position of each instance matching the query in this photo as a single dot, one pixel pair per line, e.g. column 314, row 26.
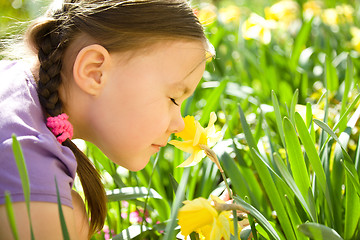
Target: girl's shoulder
column 21, row 114
column 16, row 75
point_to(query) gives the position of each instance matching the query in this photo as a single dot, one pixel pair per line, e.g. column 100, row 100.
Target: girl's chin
column 139, row 166
column 133, row 164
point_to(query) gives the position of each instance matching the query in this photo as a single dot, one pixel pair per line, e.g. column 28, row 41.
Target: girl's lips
column 157, row 147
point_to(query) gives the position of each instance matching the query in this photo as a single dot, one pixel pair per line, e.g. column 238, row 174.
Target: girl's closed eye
column 174, row 101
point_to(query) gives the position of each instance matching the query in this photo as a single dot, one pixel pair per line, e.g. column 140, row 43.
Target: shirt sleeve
column 46, row 159
column 44, row 162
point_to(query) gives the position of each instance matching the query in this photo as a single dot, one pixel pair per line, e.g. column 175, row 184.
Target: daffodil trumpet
column 196, row 139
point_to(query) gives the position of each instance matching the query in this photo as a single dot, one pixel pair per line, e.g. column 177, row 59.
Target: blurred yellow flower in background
column 330, row 17
column 285, row 11
column 355, row 41
column 341, row 14
column 194, row 135
column 311, row 9
column 200, row 216
column 345, row 13
column 230, row 14
column 207, row 14
column 256, row 27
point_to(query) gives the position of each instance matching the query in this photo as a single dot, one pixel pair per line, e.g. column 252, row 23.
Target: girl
column 112, row 72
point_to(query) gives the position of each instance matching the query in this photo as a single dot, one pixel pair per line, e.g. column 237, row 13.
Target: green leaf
column 10, row 215
column 180, row 193
column 319, row 231
column 309, row 123
column 173, row 182
column 345, row 114
column 100, row 157
column 294, row 101
column 266, row 179
column 347, row 82
column 243, row 181
column 273, row 194
column 352, row 208
column 327, row 129
column 309, row 115
column 21, row 165
column 331, row 75
column 311, row 151
column 294, row 215
column 291, row 183
column 232, row 171
column 278, row 117
column 299, row 44
column 127, row 193
column 61, row 214
column 247, row 131
column 259, row 217
column 296, row 159
column 352, row 174
column 212, row 101
column 357, row 157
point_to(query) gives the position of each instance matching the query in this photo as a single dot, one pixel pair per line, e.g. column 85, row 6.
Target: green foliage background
column 289, row 114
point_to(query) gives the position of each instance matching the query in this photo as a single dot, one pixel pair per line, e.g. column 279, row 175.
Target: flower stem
column 226, row 184
column 211, row 154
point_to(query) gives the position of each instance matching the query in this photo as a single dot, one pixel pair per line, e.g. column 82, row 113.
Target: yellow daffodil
column 207, row 14
column 256, row 27
column 339, row 15
column 345, row 13
column 355, row 41
column 312, row 8
column 196, row 138
column 330, row 17
column 229, row 14
column 200, row 216
column 285, row 11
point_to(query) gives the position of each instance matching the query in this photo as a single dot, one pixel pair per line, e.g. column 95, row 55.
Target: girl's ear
column 90, row 67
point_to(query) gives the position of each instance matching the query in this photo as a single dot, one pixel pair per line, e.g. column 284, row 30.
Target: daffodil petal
column 194, row 135
column 214, row 138
column 195, row 158
column 199, row 155
column 196, row 214
column 221, row 227
column 188, row 162
column 199, row 130
column 186, row 146
column 216, row 199
column 212, row 120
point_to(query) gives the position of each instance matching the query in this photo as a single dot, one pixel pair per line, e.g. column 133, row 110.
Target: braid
column 49, row 54
column 48, row 40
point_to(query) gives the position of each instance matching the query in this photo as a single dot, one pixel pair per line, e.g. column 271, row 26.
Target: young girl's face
column 139, row 107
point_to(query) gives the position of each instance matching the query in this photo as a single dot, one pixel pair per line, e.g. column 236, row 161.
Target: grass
column 289, row 114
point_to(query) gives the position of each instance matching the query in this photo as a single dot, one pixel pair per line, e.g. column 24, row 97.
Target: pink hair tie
column 60, row 127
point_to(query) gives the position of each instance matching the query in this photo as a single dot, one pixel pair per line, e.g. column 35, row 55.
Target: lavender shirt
column 21, row 114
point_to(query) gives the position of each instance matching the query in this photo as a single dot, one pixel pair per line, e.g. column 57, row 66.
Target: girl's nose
column 177, row 123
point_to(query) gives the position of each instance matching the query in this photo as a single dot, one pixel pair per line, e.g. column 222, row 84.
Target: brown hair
column 117, row 25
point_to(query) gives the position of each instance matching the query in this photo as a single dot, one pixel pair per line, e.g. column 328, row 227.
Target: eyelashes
column 174, row 101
